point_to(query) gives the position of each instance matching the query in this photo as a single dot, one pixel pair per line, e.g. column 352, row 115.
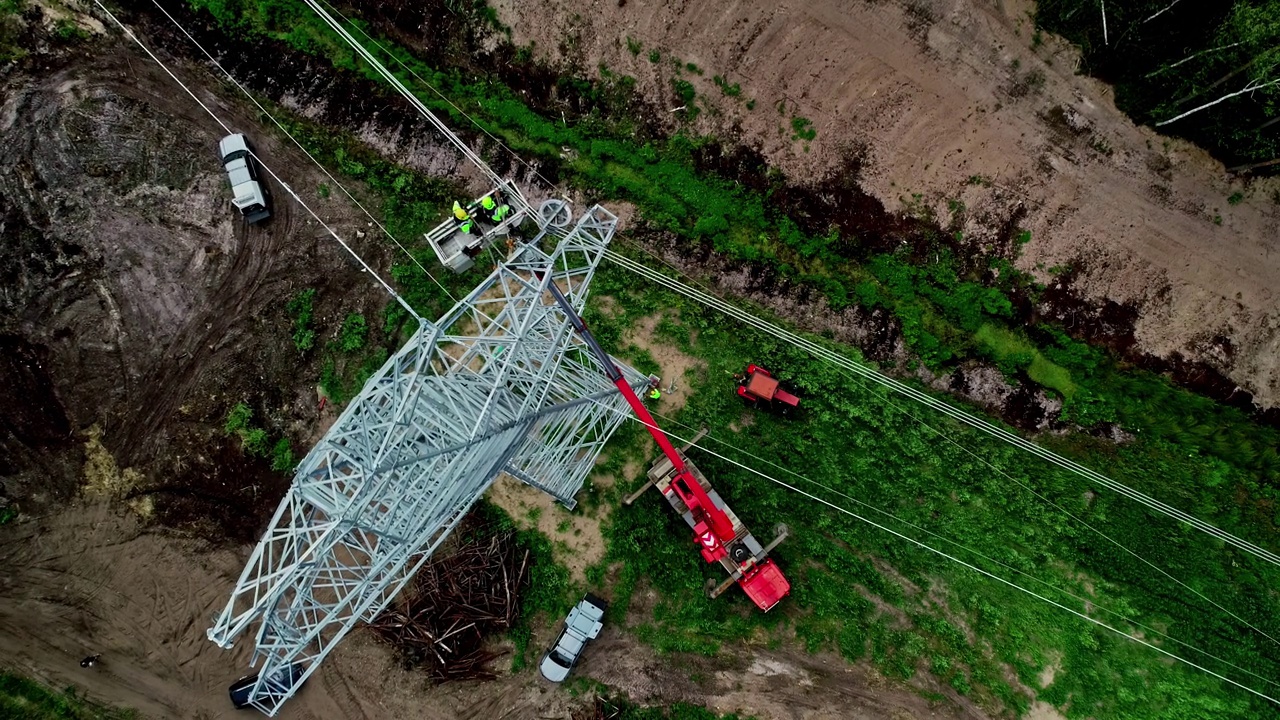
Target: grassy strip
column 868, row 595
column 23, row 698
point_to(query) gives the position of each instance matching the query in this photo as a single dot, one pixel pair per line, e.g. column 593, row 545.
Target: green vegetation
column 8, row 513
column 29, row 700
column 920, row 609
column 282, row 459
column 1235, row 198
column 254, row 440
column 655, row 56
column 11, row 30
column 686, row 94
column 634, row 46
column 802, row 129
column 301, row 308
column 1179, row 60
column 733, row 90
column 621, row 709
column 69, row 31
column 354, row 333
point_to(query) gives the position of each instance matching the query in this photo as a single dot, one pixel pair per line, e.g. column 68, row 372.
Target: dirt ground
column 132, row 302
column 93, row 578
column 934, row 94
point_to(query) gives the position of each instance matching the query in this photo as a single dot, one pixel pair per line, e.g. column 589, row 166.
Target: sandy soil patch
column 575, row 536
column 675, row 365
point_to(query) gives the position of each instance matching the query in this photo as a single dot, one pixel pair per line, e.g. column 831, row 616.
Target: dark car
column 279, row 682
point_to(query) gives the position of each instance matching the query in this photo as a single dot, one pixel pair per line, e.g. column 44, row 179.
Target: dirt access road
column 92, row 578
column 932, row 93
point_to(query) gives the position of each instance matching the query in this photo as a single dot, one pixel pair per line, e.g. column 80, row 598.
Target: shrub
column 255, row 442
column 238, row 419
column 282, row 459
column 354, row 333
column 301, row 308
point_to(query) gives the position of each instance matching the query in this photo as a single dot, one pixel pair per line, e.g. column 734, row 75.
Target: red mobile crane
column 720, row 535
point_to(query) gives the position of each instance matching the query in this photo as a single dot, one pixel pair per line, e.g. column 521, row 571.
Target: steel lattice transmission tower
column 500, row 384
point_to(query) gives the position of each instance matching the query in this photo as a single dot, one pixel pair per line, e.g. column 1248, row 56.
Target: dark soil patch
column 30, row 411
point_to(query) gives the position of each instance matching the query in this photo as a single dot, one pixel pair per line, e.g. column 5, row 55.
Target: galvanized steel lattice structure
column 500, row 384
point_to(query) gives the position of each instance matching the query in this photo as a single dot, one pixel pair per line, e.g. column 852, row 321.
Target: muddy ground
column 934, row 94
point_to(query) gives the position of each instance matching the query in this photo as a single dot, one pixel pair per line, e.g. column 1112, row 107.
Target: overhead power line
column 301, row 147
column 981, row 571
column 954, row 413
column 391, row 291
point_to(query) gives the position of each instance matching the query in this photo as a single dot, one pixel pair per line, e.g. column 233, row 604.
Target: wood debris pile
column 454, row 603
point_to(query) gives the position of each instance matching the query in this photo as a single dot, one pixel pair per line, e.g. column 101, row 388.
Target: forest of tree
column 1205, row 70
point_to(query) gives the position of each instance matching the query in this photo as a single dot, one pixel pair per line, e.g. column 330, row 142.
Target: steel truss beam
column 499, row 384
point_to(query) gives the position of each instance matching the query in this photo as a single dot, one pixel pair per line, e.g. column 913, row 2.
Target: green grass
column 301, row 308
column 876, row 453
column 254, row 440
column 1012, row 353
column 21, row 698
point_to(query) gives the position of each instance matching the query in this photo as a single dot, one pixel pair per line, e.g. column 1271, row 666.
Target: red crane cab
column 759, row 387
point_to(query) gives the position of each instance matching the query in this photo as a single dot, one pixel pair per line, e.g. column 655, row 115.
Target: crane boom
column 721, row 538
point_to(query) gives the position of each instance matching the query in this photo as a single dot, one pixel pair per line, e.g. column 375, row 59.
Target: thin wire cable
column 264, row 165
column 956, row 414
column 953, row 558
column 533, row 169
column 313, row 159
column 962, row 546
column 444, row 129
column 932, row 429
column 1062, row 509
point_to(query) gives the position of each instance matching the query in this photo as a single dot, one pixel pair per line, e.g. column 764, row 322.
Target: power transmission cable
column 519, row 158
column 295, row 141
column 955, row 543
column 953, row 558
column 264, row 165
column 378, row 67
column 1000, row 471
column 973, row 421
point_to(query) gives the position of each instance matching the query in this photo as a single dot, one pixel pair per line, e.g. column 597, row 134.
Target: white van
column 249, row 197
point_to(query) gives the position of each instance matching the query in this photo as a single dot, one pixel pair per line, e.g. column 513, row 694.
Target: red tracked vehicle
column 759, row 388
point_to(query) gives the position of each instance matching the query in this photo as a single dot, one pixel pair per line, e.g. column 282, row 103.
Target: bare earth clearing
column 935, row 92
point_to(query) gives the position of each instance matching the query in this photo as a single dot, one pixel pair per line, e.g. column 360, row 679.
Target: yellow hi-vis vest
column 487, row 202
column 458, row 212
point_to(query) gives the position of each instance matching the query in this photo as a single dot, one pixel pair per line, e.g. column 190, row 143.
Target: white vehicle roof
column 231, row 144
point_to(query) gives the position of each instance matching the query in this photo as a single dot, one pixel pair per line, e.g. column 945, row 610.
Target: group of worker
column 493, row 209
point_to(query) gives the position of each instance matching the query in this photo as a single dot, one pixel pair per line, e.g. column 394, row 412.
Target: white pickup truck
column 583, row 624
column 249, row 197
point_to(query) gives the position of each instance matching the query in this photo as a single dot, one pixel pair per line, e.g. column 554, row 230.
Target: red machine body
column 720, row 536
column 759, row 385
